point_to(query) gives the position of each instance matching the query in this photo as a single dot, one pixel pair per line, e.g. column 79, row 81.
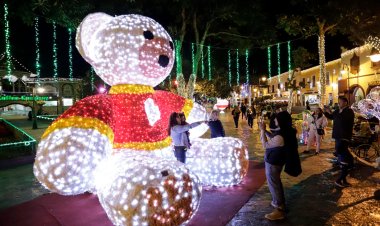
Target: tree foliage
column 218, row 87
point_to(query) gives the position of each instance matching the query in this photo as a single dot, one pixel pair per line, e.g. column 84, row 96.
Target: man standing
column 343, row 119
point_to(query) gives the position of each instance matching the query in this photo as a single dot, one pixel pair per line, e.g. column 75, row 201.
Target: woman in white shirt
column 316, row 121
column 180, row 139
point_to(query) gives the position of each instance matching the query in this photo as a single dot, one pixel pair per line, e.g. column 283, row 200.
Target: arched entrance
column 357, row 94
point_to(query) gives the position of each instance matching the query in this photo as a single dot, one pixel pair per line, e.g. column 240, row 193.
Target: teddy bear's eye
column 171, row 45
column 148, row 35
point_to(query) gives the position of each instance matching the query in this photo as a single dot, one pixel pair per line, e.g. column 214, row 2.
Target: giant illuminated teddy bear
column 117, row 145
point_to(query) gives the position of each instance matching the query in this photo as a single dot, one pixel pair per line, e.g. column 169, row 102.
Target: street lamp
column 375, row 56
column 34, row 116
column 262, row 79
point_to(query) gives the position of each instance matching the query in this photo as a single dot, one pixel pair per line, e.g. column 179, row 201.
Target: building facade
column 353, row 76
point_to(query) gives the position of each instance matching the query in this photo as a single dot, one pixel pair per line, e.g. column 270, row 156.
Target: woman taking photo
column 277, row 147
column 180, row 138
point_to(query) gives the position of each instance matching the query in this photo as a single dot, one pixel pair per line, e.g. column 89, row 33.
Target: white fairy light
column 116, row 145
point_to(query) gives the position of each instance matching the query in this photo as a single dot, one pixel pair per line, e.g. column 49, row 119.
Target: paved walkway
column 312, row 199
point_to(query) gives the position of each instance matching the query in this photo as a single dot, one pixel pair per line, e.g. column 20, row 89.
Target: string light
column 278, row 62
column 203, row 65
column 229, row 163
column 20, row 64
column 237, row 67
column 178, row 57
column 37, row 43
column 374, row 42
column 229, row 68
column 70, row 54
column 55, row 52
column 289, row 57
column 269, row 62
column 322, row 63
column 47, row 117
column 7, row 43
column 92, row 79
column 192, row 58
column 129, row 162
column 246, row 67
column 29, row 140
column 209, row 61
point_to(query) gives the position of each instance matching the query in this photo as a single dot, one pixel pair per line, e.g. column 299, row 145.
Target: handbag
column 320, row 131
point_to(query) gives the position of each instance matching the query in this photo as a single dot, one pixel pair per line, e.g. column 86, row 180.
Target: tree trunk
column 290, row 101
column 322, row 65
column 181, row 85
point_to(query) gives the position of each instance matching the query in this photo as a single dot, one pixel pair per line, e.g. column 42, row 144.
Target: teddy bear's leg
column 138, row 190
column 66, row 159
column 221, row 161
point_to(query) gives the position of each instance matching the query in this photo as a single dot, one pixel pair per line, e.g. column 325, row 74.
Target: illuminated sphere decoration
column 222, row 162
column 116, row 144
column 369, row 107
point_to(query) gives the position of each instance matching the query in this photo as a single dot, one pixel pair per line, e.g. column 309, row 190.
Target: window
column 286, row 86
column 272, row 88
column 313, row 83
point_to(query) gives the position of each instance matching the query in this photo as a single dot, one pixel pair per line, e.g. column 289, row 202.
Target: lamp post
column 34, row 116
column 262, row 79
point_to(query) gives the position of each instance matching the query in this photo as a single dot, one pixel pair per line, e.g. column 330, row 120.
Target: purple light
column 102, row 89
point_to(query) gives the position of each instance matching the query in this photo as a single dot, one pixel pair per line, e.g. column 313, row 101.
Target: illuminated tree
column 321, row 18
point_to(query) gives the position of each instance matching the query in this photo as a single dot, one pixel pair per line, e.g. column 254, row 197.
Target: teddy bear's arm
column 73, row 146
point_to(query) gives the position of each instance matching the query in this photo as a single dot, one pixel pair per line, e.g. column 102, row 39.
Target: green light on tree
column 70, row 54
column 7, row 43
column 37, row 43
column 229, row 68
column 246, row 67
column 237, row 67
column 209, row 61
column 55, row 51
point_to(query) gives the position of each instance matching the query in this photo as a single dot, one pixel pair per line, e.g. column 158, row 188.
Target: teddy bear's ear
column 87, row 28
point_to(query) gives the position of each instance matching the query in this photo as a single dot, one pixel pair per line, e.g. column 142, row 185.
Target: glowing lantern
column 221, row 104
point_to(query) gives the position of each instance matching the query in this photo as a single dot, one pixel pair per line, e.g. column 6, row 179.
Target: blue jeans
column 180, row 153
column 273, row 174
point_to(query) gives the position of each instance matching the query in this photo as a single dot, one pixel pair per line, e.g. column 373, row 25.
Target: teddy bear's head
column 127, row 49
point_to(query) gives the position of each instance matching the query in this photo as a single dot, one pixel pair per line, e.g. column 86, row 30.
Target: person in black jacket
column 281, row 143
column 236, row 114
column 215, row 125
column 343, row 119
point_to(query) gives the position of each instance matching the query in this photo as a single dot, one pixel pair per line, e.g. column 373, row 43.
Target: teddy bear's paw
column 197, row 113
column 221, row 161
column 136, row 190
column 66, row 159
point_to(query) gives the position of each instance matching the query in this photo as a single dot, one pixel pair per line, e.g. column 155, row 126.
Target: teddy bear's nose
column 163, row 60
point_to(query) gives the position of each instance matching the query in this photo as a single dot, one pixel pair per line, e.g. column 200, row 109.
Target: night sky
column 22, row 40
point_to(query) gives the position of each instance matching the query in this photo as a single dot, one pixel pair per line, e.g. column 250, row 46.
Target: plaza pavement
column 312, row 198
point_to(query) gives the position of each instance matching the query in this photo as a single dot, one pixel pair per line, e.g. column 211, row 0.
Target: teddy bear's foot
column 66, row 159
column 221, row 161
column 141, row 190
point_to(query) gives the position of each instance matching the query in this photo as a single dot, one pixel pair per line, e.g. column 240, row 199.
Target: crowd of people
column 280, row 141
